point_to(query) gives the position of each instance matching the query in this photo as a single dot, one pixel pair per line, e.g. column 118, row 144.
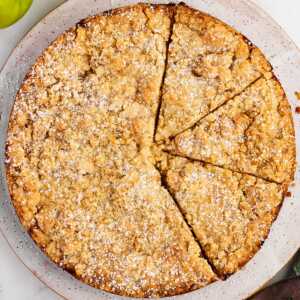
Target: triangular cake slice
column 127, row 236
column 252, row 133
column 208, row 63
column 230, row 213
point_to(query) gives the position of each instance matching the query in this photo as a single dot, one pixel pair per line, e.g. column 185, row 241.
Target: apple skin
column 12, row 10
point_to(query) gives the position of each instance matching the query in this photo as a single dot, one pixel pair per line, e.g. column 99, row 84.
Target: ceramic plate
column 284, row 238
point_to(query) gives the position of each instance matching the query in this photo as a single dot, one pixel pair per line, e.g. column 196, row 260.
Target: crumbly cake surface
column 122, row 235
column 230, row 213
column 208, row 63
column 84, row 164
column 252, row 133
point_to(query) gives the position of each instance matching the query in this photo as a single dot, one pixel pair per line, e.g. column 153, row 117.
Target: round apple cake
column 149, row 150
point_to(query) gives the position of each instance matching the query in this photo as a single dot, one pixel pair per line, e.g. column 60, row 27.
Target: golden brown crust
column 208, row 63
column 230, row 213
column 252, row 133
column 80, row 153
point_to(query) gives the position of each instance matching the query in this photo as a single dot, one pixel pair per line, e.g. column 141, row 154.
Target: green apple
column 12, row 10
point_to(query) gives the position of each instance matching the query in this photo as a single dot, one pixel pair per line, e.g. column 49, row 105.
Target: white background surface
column 16, row 282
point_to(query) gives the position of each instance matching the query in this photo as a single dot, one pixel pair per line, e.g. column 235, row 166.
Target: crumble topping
column 208, row 64
column 251, row 133
column 231, row 213
column 102, row 198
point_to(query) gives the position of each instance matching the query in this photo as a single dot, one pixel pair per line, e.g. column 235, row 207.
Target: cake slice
column 121, row 234
column 230, row 213
column 208, row 63
column 252, row 133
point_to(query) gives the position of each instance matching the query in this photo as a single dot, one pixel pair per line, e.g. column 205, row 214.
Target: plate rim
column 111, row 3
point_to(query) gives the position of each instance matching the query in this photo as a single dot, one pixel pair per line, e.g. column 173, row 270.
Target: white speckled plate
column 284, row 239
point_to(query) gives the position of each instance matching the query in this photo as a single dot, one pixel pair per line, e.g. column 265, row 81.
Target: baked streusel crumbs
column 208, row 64
column 251, row 133
column 82, row 167
column 231, row 213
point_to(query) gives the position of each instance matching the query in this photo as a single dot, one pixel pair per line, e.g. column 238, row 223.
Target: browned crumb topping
column 230, row 213
column 81, row 160
column 252, row 133
column 208, row 64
